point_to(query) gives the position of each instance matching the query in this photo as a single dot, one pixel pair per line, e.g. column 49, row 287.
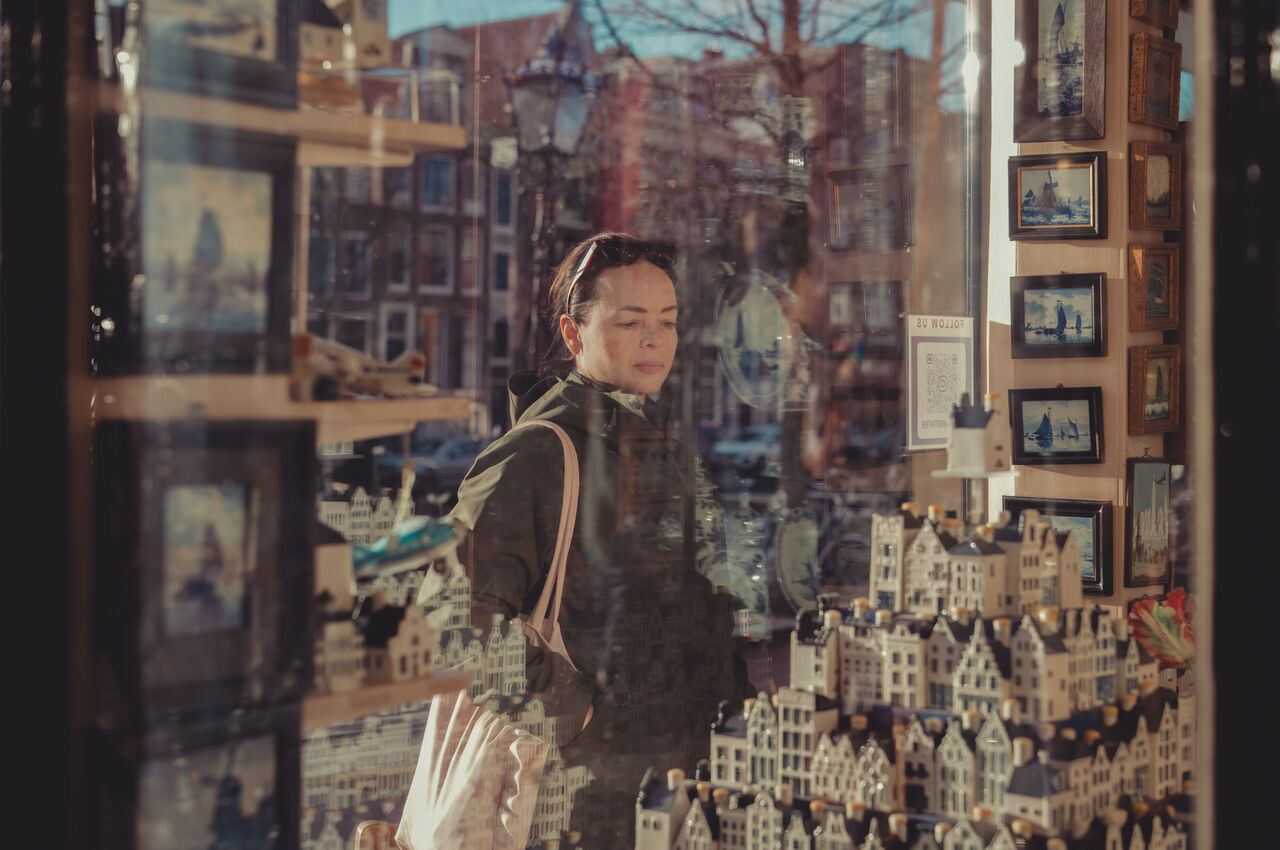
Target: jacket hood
column 574, row 401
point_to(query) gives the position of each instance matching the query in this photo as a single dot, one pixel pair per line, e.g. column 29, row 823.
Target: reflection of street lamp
column 549, row 96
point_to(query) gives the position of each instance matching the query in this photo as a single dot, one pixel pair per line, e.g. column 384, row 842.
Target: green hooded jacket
column 645, row 614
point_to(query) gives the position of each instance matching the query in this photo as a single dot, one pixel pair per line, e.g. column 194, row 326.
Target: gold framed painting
column 1155, row 186
column 1155, row 80
column 1155, row 395
column 1158, row 13
column 1155, row 286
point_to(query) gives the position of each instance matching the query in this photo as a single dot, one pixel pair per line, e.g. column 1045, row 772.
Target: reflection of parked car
column 750, row 453
column 439, row 467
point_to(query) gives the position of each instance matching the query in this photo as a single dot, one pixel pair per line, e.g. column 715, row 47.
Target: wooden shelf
column 267, row 397
column 326, row 138
column 328, row 709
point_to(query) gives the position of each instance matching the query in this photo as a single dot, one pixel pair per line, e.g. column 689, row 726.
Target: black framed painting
column 214, row 780
column 203, row 561
column 1058, row 315
column 1058, row 196
column 1148, row 541
column 195, row 276
column 1056, row 425
column 243, row 50
column 1060, row 87
column 870, row 209
column 1089, row 522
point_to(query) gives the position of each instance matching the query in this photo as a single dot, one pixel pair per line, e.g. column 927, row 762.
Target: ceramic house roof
column 333, row 494
column 946, row 538
column 1065, row 750
column 1153, row 705
column 961, row 631
column 969, row 415
column 1009, row 534
column 1035, row 779
column 975, row 547
column 325, row 535
column 910, row 520
column 380, row 626
column 655, row 795
column 811, row 628
column 1060, row 538
column 730, row 720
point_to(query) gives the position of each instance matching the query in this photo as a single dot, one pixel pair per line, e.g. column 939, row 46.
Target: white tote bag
column 478, row 776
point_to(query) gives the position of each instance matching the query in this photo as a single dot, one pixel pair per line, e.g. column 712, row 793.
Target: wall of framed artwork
column 1142, row 271
column 1060, row 88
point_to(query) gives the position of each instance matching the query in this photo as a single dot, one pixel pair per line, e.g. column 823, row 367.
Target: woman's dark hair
column 574, row 288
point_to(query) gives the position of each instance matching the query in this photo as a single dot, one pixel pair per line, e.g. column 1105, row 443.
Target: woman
column 644, row 615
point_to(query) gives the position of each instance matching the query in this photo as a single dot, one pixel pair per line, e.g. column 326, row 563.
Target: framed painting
column 1060, row 87
column 1058, row 315
column 1155, row 80
column 1148, row 542
column 1155, row 286
column 196, row 276
column 204, row 559
column 871, row 209
column 1056, row 425
column 1158, row 13
column 1155, row 186
column 865, row 320
column 1058, row 196
column 243, row 50
column 211, row 781
column 1088, row 521
column 1155, row 394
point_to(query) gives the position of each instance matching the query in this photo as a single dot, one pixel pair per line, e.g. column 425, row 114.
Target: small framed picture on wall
column 1155, row 80
column 1089, row 522
column 1060, row 88
column 1155, row 186
column 1058, row 315
column 1155, row 286
column 1056, row 425
column 1155, row 395
column 1148, row 536
column 1058, row 196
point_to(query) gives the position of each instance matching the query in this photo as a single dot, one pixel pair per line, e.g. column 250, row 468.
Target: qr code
column 941, row 382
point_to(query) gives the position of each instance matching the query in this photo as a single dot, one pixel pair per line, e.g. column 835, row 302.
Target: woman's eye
column 628, row 324
column 669, row 325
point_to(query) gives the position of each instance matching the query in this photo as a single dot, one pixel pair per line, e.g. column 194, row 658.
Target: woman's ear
column 572, row 335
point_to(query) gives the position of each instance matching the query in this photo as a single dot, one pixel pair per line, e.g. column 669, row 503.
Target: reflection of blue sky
column 913, row 34
column 1144, row 475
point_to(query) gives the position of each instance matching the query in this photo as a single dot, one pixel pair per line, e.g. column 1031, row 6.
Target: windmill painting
column 1056, row 197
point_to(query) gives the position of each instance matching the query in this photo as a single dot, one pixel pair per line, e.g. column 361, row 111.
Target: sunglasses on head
column 622, row 252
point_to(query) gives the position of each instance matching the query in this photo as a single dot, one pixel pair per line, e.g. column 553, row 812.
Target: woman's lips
column 651, row 368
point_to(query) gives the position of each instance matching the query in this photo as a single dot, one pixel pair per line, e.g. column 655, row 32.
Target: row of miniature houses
column 1054, row 663
column 677, row 814
column 356, row 515
column 1056, row 775
column 922, row 563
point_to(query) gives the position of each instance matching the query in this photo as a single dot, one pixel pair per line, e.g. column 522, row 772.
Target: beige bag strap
column 543, row 625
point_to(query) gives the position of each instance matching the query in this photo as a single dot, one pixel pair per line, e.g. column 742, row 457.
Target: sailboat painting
column 1058, row 316
column 1061, row 58
column 219, row 796
column 206, row 248
column 207, row 541
column 1059, row 425
column 234, row 27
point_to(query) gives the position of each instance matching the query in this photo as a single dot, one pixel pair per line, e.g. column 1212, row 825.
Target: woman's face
column 629, row 338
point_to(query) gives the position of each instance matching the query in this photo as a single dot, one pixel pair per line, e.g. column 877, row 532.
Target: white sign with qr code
column 939, row 371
